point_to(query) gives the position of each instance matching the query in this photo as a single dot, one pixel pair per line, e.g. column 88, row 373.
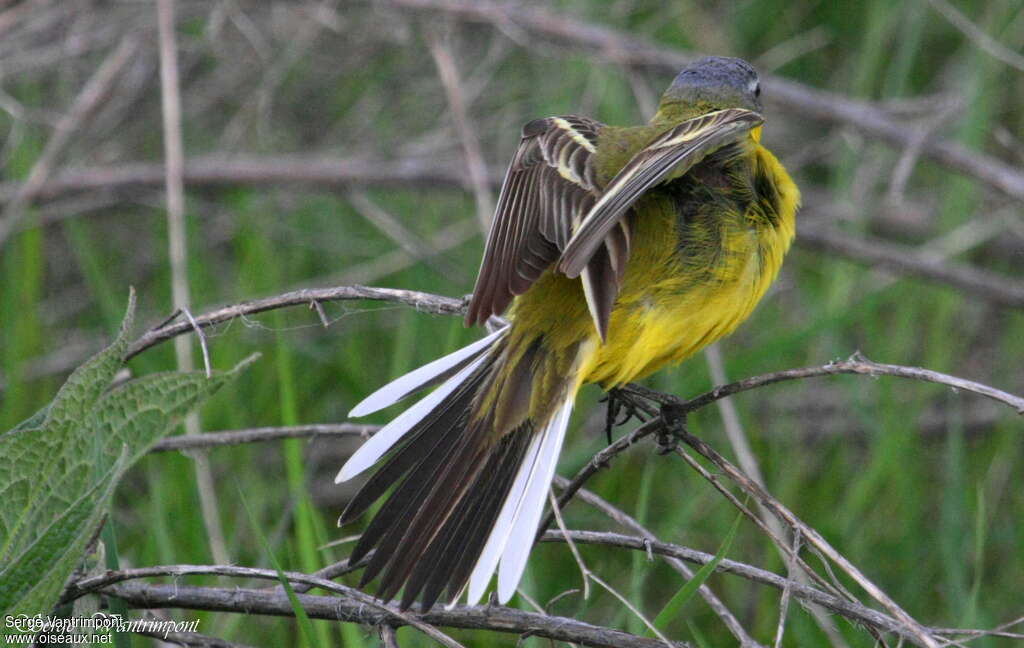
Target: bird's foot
column 622, row 406
column 673, row 426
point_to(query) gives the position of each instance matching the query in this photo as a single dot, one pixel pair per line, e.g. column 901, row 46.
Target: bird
column 613, row 252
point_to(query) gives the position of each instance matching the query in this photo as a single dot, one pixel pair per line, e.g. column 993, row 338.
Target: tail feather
column 419, row 443
column 377, row 445
column 426, row 376
column 466, row 491
column 520, row 536
column 458, row 469
column 470, row 524
column 497, row 539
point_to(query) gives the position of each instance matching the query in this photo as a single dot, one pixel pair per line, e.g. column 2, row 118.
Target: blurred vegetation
column 916, row 484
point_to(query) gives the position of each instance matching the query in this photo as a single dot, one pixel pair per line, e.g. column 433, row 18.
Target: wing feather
column 549, row 185
column 670, row 155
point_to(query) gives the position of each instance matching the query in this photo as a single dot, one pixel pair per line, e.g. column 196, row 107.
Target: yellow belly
column 664, row 316
column 670, row 305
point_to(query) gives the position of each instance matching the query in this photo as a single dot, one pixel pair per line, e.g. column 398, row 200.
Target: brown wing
column 550, row 184
column 670, row 155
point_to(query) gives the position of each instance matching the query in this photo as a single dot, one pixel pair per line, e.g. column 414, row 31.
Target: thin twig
column 852, row 610
column 319, row 308
column 907, row 260
column 449, row 73
column 748, row 462
column 632, row 608
column 557, row 512
column 855, row 364
column 920, row 634
column 421, row 301
column 786, row 593
column 388, row 636
column 202, row 341
column 397, row 232
column 265, row 434
column 628, row 521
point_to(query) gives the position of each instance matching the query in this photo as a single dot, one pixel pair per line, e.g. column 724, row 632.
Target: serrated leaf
column 62, row 465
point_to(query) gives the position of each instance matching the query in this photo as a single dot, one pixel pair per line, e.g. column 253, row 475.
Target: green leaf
column 689, row 588
column 62, row 465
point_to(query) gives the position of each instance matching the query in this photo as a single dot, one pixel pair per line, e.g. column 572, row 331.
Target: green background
column 915, row 483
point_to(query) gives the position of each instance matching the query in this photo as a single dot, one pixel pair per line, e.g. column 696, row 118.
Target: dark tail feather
column 464, row 497
column 450, row 478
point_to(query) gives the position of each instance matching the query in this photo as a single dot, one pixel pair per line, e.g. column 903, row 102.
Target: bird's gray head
column 716, row 82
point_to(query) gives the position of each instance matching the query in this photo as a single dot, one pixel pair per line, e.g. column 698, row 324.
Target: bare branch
column 628, row 521
column 437, row 304
column 423, row 302
column 257, row 435
column 918, row 633
column 483, row 617
column 909, row 261
column 849, row 609
column 856, row 364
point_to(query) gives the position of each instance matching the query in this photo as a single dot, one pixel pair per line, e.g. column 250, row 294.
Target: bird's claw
column 622, row 406
column 673, row 426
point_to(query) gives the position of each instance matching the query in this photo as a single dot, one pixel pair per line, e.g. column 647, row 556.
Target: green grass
column 932, row 514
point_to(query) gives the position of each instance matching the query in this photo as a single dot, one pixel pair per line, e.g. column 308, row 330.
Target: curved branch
column 431, row 303
column 851, row 610
column 480, row 617
column 421, row 301
column 855, row 364
column 111, row 577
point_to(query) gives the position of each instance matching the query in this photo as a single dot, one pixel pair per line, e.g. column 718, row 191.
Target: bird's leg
column 622, row 406
column 673, row 425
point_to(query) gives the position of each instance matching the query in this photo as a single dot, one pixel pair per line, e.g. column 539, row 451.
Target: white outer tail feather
column 520, row 538
column 511, row 538
column 408, row 384
column 377, row 445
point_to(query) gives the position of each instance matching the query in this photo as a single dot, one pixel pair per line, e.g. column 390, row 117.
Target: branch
column 227, row 171
column 268, row 602
column 257, row 435
column 110, row 577
column 849, row 609
column 437, row 304
column 421, row 301
column 915, row 631
column 797, row 98
column 907, row 260
column 856, row 364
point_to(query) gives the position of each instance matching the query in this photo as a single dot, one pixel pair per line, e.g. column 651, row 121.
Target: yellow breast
column 668, row 310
